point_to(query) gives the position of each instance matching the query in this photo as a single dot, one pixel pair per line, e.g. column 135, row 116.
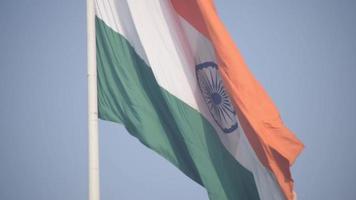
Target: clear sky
column 303, row 52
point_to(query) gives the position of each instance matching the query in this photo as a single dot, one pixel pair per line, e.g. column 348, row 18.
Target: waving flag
column 169, row 71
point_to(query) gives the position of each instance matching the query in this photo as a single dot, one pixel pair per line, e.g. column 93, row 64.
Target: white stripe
column 118, row 16
column 172, row 48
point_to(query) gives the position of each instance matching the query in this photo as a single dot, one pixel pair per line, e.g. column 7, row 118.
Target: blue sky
column 303, row 52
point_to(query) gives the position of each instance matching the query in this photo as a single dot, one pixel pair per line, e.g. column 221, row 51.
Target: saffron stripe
column 274, row 144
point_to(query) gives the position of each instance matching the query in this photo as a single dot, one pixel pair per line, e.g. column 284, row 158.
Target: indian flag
column 170, row 73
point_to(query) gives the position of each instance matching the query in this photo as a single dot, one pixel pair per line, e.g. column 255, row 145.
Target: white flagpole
column 94, row 181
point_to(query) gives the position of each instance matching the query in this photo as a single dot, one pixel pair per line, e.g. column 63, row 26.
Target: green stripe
column 128, row 93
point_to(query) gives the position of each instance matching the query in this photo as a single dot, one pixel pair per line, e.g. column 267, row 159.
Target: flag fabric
column 170, row 73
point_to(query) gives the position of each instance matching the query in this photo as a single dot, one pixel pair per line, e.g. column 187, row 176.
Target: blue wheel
column 215, row 96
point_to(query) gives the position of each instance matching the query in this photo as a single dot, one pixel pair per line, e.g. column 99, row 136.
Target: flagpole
column 93, row 131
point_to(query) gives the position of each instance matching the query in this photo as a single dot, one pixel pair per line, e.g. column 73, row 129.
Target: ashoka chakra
column 215, row 96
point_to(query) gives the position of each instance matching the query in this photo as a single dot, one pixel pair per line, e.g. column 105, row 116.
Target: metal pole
column 94, row 180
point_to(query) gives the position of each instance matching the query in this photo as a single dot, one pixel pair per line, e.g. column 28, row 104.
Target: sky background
column 303, row 52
